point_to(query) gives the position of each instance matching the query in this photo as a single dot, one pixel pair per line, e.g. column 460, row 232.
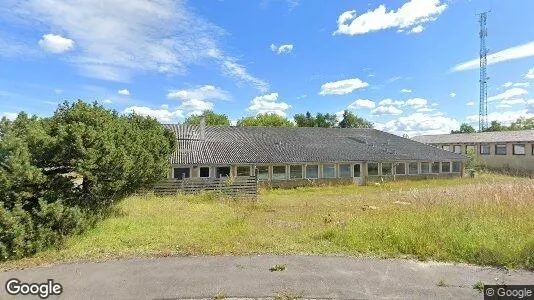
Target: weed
column 276, row 268
column 479, row 286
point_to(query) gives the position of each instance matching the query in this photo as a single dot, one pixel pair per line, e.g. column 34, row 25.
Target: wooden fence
column 231, row 186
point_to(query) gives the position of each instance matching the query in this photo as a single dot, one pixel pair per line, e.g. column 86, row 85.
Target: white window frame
column 272, row 172
column 323, row 167
column 418, row 168
column 268, row 172
column 392, row 165
column 428, row 168
column 441, row 166
column 500, row 146
column 301, row 171
column 524, row 149
column 446, row 147
column 311, row 165
column 454, row 148
column 339, row 170
column 378, row 168
column 432, row 167
column 397, row 164
column 480, row 149
column 354, row 173
column 459, row 167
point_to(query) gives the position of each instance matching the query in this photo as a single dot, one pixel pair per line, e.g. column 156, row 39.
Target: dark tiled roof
column 231, row 145
column 482, row 137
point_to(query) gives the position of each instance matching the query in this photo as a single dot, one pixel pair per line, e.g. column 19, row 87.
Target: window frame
column 329, row 167
column 500, row 146
column 409, row 168
column 441, row 165
column 174, row 172
column 454, row 149
column 359, row 170
column 257, row 168
column 397, row 166
column 349, row 169
column 307, row 166
column 432, row 167
column 277, row 174
column 237, row 170
column 459, row 164
column 484, row 145
column 428, row 164
column 524, row 149
column 301, row 172
column 382, row 169
column 446, row 147
column 377, row 169
column 200, row 172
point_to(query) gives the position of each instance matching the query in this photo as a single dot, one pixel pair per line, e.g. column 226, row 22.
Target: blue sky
column 409, row 66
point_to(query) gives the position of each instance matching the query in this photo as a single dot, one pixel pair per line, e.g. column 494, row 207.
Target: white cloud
column 417, row 29
column 342, row 87
column 452, row 94
column 386, row 110
column 162, row 115
column 425, row 109
column 513, row 101
column 55, row 43
column 530, row 74
column 9, row 115
column 195, row 106
column 118, row 39
column 124, row 92
column 506, row 117
column 286, row 48
column 411, row 16
column 517, row 84
column 195, row 100
column 416, row 102
column 406, row 91
column 470, row 103
column 510, row 93
column 508, row 84
column 419, row 123
column 362, row 103
column 268, row 104
column 517, row 52
column 389, row 101
column 108, row 101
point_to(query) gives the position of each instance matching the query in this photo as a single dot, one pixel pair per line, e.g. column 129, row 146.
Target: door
column 222, row 172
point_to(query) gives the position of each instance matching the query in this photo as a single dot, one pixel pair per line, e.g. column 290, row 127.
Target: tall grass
column 486, row 221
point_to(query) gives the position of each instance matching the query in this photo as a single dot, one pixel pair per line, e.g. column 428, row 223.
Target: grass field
column 487, row 220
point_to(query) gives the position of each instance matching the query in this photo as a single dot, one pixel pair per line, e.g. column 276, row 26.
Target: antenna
column 483, row 104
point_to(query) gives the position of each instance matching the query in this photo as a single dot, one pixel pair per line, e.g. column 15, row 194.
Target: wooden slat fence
column 231, row 186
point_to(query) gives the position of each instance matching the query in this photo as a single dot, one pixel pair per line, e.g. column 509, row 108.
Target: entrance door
column 222, row 172
column 357, row 172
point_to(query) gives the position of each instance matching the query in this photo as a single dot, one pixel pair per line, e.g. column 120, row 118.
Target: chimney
column 203, row 128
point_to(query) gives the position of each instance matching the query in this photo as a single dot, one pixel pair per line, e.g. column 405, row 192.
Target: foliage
column 320, row 120
column 350, row 120
column 464, row 128
column 212, row 118
column 41, row 159
column 474, row 162
column 267, row 119
column 496, row 126
column 522, row 124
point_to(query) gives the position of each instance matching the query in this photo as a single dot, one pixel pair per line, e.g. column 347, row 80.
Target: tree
column 305, row 120
column 464, row 128
column 496, row 126
column 350, row 120
column 326, row 120
column 212, row 118
column 522, row 124
column 267, row 119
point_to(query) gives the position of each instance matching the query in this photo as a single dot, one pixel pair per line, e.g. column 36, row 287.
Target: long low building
column 279, row 154
column 501, row 150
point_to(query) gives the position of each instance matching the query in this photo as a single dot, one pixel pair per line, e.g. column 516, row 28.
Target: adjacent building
column 282, row 155
column 503, row 150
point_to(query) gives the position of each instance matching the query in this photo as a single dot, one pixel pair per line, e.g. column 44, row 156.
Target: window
column 204, row 172
column 222, row 172
column 413, row 168
column 500, row 149
column 456, row 167
column 457, row 149
column 295, row 172
column 400, row 169
column 243, row 171
column 447, row 147
column 312, row 171
column 181, row 173
column 532, row 148
column 435, row 167
column 519, row 149
column 445, row 167
column 425, row 167
column 329, row 171
column 357, row 170
column 279, row 173
column 372, row 169
column 344, row 171
column 484, row 149
column 470, row 148
column 263, row 172
column 386, row 169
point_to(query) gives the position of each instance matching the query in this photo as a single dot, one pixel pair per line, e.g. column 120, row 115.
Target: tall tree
column 464, row 128
column 212, row 118
column 305, row 120
column 350, row 120
column 267, row 119
column 496, row 126
column 522, row 124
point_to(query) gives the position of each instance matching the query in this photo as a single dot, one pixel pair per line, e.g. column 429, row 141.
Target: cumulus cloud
column 419, row 123
column 118, row 39
column 55, row 43
column 470, row 103
column 506, row 117
column 386, row 110
column 406, row 91
column 286, row 48
column 508, row 94
column 198, row 99
column 452, row 94
column 389, row 101
column 362, row 103
column 516, row 84
column 124, row 92
column 530, row 74
column 342, row 87
column 9, row 115
column 517, row 52
column 416, row 102
column 162, row 115
column 268, row 104
column 409, row 16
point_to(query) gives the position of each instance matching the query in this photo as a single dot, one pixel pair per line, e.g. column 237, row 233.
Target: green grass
column 487, row 220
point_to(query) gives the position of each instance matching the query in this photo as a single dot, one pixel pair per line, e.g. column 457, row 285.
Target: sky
column 409, row 66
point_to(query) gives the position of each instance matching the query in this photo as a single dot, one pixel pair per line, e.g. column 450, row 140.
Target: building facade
column 506, row 150
column 286, row 156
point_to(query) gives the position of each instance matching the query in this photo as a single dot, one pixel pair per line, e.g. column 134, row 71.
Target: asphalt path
column 306, row 277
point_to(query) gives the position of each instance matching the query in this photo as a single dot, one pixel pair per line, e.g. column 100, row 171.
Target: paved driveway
column 250, row 277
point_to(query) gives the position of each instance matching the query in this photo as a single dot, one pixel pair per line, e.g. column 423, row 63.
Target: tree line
column 521, row 123
column 326, row 120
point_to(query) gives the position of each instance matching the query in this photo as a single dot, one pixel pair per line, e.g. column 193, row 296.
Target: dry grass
column 487, row 221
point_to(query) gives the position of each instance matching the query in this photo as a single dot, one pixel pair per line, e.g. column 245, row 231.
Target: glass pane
column 372, row 169
column 386, row 169
column 344, row 171
column 484, row 149
column 519, row 149
column 357, row 170
column 295, row 172
column 425, row 167
column 329, row 171
column 400, row 169
column 263, row 172
column 500, row 149
column 312, row 171
column 457, row 149
column 435, row 167
column 446, row 167
column 243, row 171
column 279, row 172
column 413, row 168
column 447, row 147
column 456, row 166
column 181, row 173
column 204, row 172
